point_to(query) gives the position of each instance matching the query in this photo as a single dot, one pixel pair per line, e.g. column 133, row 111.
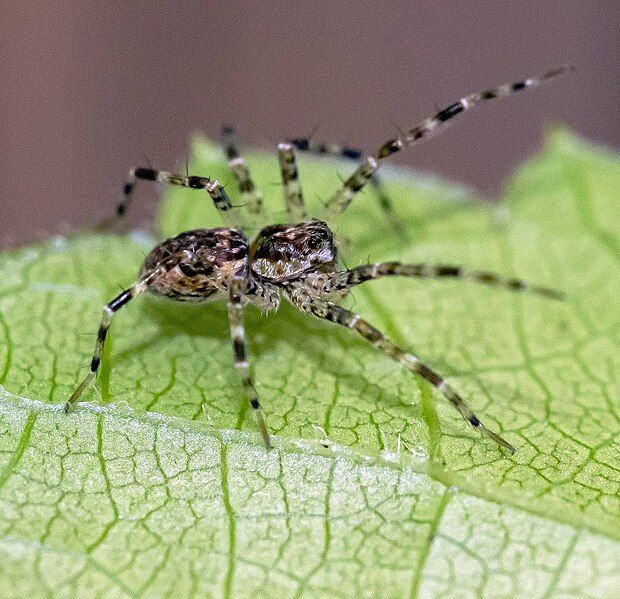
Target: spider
column 295, row 261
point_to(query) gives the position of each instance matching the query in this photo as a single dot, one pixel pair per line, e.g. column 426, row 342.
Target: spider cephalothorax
column 294, row 262
column 285, row 252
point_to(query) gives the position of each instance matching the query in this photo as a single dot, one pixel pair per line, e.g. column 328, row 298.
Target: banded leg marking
column 242, row 366
column 383, row 198
column 215, row 190
column 293, row 196
column 230, row 141
column 427, row 127
column 340, row 202
column 250, row 196
column 108, row 311
column 305, row 144
column 355, row 322
column 369, row 272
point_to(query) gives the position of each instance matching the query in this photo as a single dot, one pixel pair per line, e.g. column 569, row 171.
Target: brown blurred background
column 90, row 89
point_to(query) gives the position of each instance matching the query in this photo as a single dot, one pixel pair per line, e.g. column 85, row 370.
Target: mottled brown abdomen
column 208, row 259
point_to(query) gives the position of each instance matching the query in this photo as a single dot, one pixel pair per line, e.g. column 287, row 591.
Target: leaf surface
column 160, row 486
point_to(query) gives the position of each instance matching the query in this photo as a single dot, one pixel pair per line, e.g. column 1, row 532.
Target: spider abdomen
column 207, row 260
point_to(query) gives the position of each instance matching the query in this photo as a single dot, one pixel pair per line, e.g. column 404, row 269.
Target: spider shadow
column 266, row 334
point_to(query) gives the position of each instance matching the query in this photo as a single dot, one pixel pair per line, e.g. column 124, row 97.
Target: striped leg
column 305, row 144
column 368, row 272
column 108, row 311
column 242, row 366
column 346, row 318
column 215, row 190
column 383, row 198
column 250, row 196
column 292, row 190
column 423, row 130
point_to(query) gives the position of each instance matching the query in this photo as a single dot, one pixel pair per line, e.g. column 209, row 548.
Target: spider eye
column 315, row 242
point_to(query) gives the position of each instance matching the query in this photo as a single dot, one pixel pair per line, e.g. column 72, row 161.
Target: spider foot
column 501, row 442
column 72, row 401
column 262, row 425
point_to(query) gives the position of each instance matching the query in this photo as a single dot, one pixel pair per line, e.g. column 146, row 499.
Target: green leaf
column 160, row 485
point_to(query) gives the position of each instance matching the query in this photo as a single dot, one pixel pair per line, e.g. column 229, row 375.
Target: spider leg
column 293, row 196
column 423, row 130
column 230, row 141
column 305, row 144
column 354, row 322
column 250, row 196
column 242, row 366
column 367, row 272
column 108, row 311
column 385, row 203
column 215, row 190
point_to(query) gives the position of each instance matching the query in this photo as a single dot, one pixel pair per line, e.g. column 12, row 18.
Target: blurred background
column 91, row 89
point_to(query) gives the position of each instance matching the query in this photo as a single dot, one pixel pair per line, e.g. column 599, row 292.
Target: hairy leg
column 242, row 366
column 347, row 279
column 250, row 196
column 354, row 322
column 422, row 130
column 383, row 198
column 215, row 190
column 292, row 190
column 108, row 311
